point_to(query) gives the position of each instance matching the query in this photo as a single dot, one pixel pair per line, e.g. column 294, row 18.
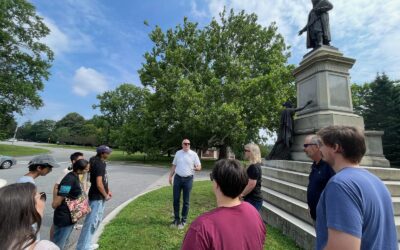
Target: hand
column 108, row 197
column 109, row 194
column 170, row 180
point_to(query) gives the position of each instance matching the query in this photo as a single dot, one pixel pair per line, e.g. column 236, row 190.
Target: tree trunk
column 223, row 152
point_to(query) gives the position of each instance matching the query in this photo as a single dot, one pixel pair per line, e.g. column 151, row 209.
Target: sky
column 99, row 44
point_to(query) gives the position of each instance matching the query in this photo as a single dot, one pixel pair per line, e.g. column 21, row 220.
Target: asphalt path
column 126, row 180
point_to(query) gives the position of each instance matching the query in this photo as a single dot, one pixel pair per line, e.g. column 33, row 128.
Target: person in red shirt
column 233, row 224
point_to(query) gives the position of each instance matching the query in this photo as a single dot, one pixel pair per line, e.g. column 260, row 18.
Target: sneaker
column 94, row 246
column 182, row 225
column 78, row 226
column 174, row 224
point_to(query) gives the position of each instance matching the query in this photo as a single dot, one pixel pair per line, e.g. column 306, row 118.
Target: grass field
column 144, row 223
column 119, row 155
column 13, row 150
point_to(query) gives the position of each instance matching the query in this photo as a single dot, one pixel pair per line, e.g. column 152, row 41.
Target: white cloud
column 57, row 40
column 88, row 80
column 365, row 30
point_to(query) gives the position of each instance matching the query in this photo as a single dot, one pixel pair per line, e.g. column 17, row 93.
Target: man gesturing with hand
column 185, row 162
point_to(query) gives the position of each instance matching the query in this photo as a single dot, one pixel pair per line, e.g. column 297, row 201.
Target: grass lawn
column 13, row 150
column 144, row 223
column 119, row 155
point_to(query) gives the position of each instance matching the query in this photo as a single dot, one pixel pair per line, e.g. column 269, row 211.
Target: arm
column 341, row 240
column 300, row 109
column 171, row 174
column 197, row 164
column 57, row 200
column 250, row 186
column 100, row 187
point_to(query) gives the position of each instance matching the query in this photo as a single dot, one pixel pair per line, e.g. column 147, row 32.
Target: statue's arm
column 301, row 108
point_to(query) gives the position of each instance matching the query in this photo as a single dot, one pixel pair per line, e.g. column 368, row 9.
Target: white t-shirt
column 26, row 179
column 185, row 162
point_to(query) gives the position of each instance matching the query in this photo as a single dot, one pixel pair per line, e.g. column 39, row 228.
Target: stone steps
column 386, row 174
column 284, row 189
column 291, row 205
column 293, row 190
column 302, row 178
column 301, row 232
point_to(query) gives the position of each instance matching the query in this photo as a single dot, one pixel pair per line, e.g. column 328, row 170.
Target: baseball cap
column 103, row 149
column 44, row 160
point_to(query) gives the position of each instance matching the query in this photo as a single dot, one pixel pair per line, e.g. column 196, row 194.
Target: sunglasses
column 308, row 144
column 246, row 150
column 186, row 143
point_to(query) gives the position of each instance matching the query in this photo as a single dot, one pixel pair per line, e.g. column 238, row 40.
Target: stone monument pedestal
column 323, row 77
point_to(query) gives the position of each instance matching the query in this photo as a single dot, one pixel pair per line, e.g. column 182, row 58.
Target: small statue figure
column 281, row 149
column 318, row 32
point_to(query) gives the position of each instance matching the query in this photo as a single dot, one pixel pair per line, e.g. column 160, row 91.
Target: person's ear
column 337, row 148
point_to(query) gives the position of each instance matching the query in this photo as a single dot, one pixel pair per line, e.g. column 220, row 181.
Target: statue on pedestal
column 281, row 149
column 318, row 31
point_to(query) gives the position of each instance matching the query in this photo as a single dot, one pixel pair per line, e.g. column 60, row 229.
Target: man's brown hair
column 351, row 141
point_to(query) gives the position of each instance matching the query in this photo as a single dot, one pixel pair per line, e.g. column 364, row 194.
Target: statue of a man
column 318, row 32
column 281, row 149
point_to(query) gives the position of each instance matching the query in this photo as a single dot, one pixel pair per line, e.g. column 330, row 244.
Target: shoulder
column 193, row 153
column 45, row 245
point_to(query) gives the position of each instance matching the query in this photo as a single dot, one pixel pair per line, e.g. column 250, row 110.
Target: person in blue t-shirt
column 355, row 210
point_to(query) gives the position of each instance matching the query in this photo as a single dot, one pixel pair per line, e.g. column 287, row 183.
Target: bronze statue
column 281, row 149
column 318, row 31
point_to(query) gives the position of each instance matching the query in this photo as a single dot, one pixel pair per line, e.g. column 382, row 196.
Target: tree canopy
column 24, row 60
column 217, row 85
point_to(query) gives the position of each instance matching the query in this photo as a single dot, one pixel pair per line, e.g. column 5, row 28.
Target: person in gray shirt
column 40, row 165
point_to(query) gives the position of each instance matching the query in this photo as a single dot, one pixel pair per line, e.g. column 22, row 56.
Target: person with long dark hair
column 70, row 188
column 21, row 206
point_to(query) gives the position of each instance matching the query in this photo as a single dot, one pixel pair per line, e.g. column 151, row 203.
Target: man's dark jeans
column 185, row 184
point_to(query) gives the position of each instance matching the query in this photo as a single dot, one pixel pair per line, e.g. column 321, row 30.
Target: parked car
column 12, row 140
column 7, row 161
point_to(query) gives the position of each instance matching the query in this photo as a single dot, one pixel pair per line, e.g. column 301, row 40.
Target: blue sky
column 99, row 44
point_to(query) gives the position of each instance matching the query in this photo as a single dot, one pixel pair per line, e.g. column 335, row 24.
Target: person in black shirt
column 252, row 192
column 69, row 187
column 320, row 173
column 99, row 193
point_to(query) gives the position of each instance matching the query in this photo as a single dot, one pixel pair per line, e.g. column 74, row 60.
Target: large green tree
column 218, row 85
column 24, row 59
column 379, row 103
column 123, row 111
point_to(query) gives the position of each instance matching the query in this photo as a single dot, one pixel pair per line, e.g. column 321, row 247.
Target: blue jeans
column 256, row 203
column 185, row 184
column 92, row 222
column 61, row 235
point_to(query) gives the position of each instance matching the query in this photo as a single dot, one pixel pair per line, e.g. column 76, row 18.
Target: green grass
column 119, row 155
column 13, row 150
column 144, row 223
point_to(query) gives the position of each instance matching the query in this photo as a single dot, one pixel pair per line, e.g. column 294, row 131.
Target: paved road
column 125, row 180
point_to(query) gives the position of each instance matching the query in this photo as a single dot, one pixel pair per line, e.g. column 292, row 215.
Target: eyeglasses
column 211, row 177
column 186, row 143
column 308, row 144
column 43, row 196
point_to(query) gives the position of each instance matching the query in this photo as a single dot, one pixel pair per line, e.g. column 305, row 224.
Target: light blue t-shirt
column 26, row 179
column 357, row 202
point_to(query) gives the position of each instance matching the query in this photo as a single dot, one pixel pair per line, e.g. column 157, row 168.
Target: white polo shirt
column 185, row 162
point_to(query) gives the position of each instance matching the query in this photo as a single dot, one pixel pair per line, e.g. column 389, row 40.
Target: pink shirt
column 230, row 228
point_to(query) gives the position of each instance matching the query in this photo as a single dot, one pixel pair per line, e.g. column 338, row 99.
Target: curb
column 118, row 209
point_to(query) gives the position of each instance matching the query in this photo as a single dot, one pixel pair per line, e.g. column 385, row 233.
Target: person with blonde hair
column 252, row 192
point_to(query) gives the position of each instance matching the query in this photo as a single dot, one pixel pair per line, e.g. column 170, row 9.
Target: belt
column 189, row 176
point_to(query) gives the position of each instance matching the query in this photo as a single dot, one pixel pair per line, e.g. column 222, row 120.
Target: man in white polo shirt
column 185, row 162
